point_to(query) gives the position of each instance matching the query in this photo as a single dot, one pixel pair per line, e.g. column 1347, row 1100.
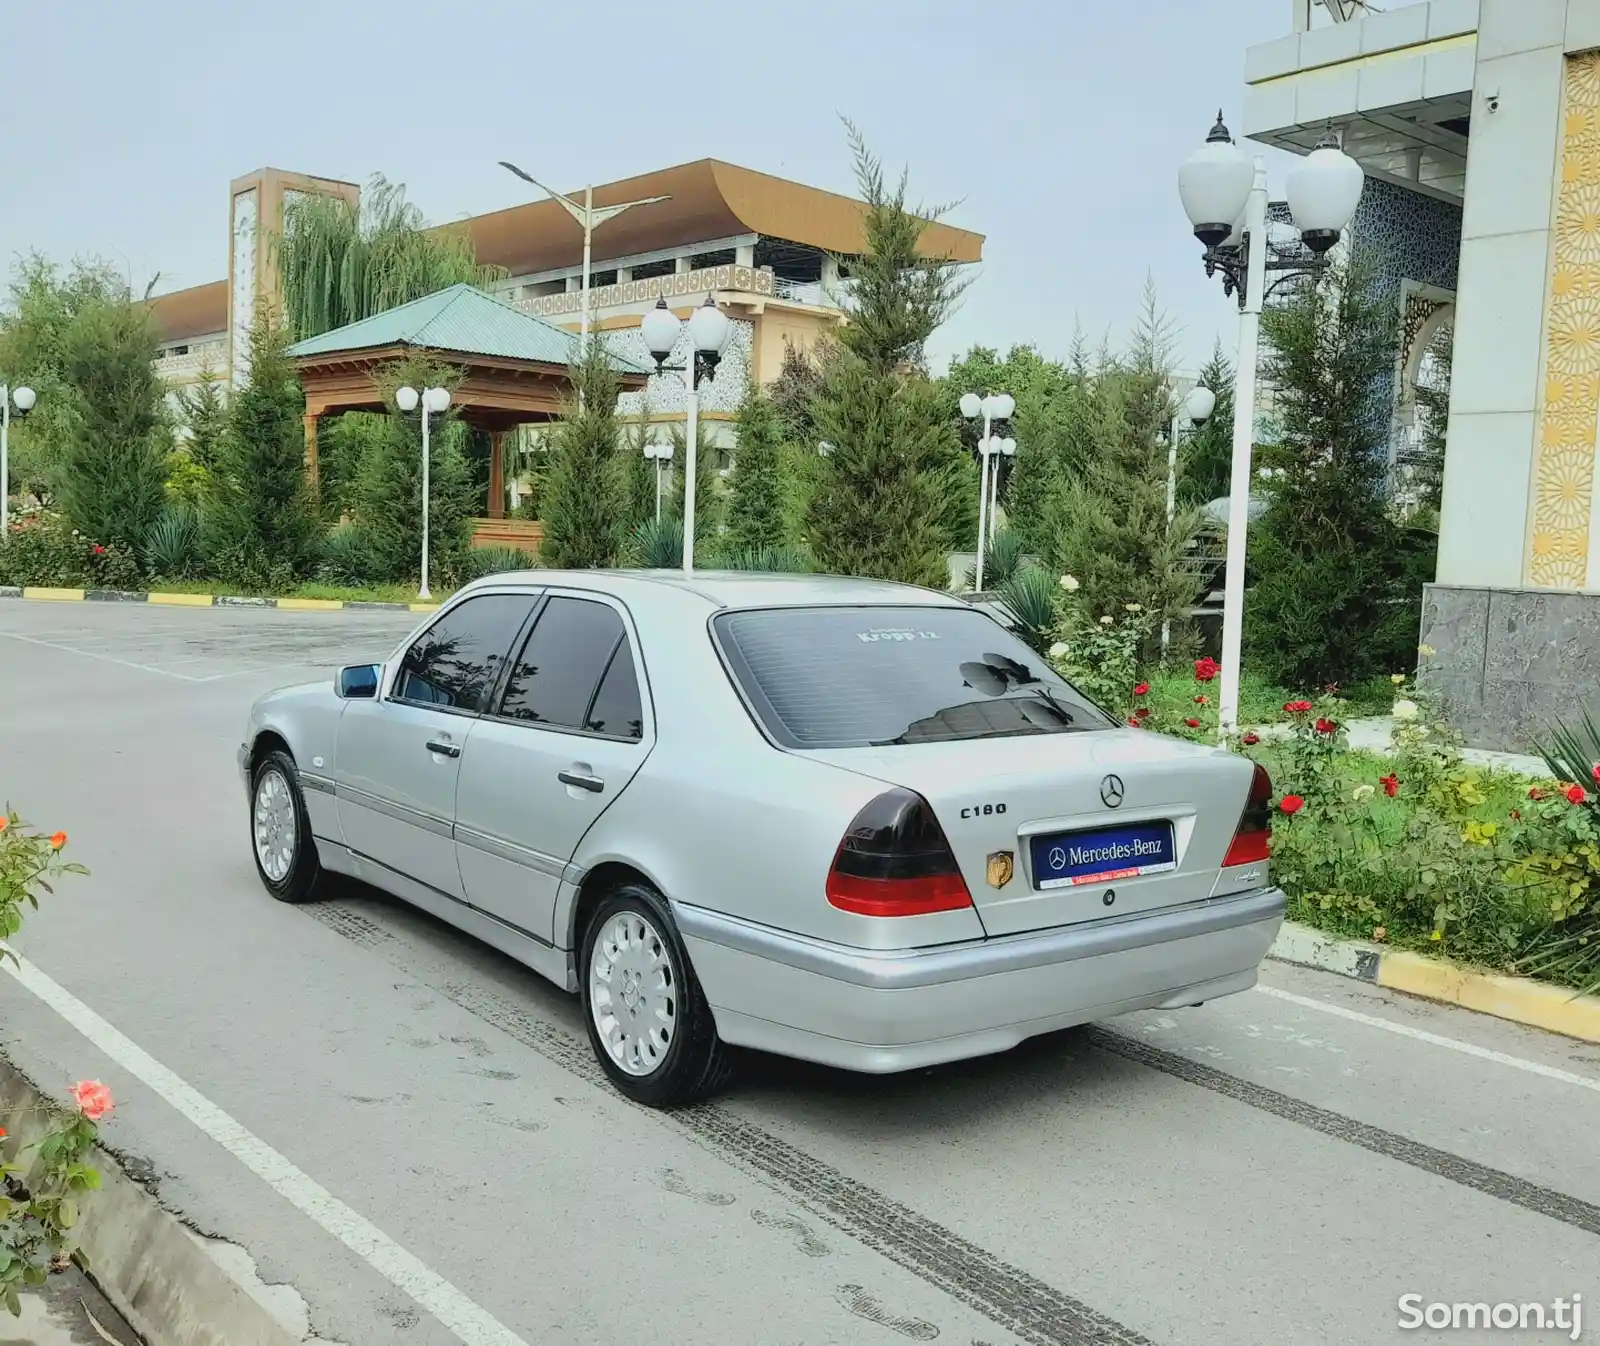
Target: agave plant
column 1002, row 558
column 657, row 544
column 776, row 559
column 172, row 546
column 346, row 557
column 483, row 561
column 1029, row 597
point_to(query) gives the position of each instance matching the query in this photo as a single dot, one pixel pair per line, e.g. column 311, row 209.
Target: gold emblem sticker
column 1000, row 869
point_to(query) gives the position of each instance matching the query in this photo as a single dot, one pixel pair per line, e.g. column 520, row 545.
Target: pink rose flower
column 93, row 1099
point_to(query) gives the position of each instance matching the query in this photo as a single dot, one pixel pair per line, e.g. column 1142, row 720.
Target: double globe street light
column 1224, row 193
column 708, row 333
column 992, row 407
column 660, row 454
column 434, row 400
column 24, row 398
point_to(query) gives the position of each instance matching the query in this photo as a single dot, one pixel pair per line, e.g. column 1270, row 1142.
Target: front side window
column 847, row 677
column 454, row 662
column 576, row 672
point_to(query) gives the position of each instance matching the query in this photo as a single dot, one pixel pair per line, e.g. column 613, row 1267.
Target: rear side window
column 454, row 662
column 839, row 677
column 564, row 677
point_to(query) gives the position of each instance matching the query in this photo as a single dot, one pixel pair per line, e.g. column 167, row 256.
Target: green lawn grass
column 376, row 593
column 1260, row 701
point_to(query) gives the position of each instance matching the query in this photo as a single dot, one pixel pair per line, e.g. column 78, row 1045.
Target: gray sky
column 1057, row 125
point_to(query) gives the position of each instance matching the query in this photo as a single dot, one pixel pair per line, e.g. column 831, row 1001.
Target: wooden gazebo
column 516, row 367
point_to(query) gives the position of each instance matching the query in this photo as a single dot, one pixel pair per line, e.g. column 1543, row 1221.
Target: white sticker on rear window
column 895, row 633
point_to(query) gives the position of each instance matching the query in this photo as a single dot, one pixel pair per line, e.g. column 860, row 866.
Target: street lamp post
column 1224, row 194
column 590, row 217
column 24, row 398
column 708, row 334
column 661, row 454
column 433, row 400
column 992, row 407
column 1196, row 409
column 999, row 450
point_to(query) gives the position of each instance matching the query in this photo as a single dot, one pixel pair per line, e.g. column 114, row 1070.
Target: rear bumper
column 887, row 1011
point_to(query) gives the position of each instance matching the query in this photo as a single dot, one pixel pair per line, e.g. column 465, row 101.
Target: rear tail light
column 896, row 861
column 1252, row 843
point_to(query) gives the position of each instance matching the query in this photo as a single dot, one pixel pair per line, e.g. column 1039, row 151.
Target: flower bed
column 39, row 1198
column 1417, row 847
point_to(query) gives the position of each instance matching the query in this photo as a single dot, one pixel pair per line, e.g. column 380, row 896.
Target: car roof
column 739, row 588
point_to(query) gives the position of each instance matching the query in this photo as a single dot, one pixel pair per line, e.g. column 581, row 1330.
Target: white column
column 690, row 468
column 5, row 460
column 1244, row 415
column 423, row 592
column 983, row 497
column 744, row 255
column 681, row 265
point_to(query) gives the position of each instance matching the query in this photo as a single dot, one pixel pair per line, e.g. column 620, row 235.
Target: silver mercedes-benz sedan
column 849, row 821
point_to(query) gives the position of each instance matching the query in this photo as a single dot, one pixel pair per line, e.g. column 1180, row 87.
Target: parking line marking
column 474, row 1325
column 1435, row 1039
column 105, row 658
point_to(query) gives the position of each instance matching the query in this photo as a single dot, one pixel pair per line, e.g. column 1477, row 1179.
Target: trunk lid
column 996, row 796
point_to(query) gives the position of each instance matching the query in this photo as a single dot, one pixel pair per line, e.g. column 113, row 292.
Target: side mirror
column 358, row 682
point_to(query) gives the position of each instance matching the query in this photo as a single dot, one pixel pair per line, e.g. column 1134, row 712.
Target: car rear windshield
column 851, row 677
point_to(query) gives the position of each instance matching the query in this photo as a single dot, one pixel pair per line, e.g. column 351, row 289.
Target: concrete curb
column 1519, row 999
column 157, row 1274
column 41, row 594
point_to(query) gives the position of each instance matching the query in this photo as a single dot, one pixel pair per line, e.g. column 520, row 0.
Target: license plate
column 1067, row 859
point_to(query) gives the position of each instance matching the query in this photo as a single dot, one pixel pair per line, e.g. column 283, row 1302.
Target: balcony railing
column 212, row 355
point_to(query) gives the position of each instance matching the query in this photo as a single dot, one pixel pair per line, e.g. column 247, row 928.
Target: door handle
column 444, row 748
column 593, row 784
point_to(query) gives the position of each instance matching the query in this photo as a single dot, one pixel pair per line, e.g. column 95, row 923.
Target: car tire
column 280, row 830
column 649, row 1024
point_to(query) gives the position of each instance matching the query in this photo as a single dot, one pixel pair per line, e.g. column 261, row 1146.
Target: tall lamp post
column 24, row 398
column 992, row 407
column 590, row 217
column 433, row 400
column 1196, row 409
column 1224, row 194
column 660, row 454
column 998, row 449
column 708, row 333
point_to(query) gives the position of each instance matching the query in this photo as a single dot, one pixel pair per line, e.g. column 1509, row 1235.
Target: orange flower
column 58, row 841
column 5, row 822
column 2, row 1133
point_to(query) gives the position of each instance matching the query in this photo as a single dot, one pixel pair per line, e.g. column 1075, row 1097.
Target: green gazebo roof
column 463, row 321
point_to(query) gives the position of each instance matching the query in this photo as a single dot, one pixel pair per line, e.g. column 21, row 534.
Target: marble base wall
column 1508, row 663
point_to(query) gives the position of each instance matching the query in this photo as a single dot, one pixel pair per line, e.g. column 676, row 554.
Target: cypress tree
column 891, row 497
column 758, row 487
column 582, row 500
column 262, row 512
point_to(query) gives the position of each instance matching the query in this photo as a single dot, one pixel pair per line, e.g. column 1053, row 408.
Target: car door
column 567, row 735
column 397, row 757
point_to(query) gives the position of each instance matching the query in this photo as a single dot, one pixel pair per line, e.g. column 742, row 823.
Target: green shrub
column 188, row 480
column 346, row 558
column 657, row 544
column 246, row 569
column 45, row 551
column 172, row 546
column 1029, row 596
column 780, row 559
column 1002, row 558
column 483, row 561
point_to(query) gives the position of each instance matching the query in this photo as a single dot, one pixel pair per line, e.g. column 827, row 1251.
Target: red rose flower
column 1594, row 773
column 98, row 549
column 1326, row 726
column 1134, row 722
column 1291, row 804
column 1192, row 723
column 1332, row 688
column 1516, row 815
column 1143, row 689
column 1251, row 739
column 1206, row 669
column 1142, row 712
column 1391, row 785
column 1297, row 707
column 1576, row 794
column 1202, row 700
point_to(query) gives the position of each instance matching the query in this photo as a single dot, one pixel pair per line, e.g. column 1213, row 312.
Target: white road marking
column 1434, row 1039
column 475, row 1326
column 105, row 658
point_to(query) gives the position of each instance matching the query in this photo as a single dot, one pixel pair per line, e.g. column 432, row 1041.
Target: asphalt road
column 1278, row 1167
